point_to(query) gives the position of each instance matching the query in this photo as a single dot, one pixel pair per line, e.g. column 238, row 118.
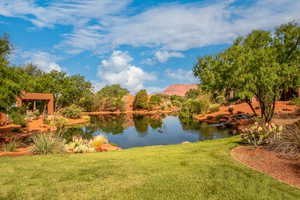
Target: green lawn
column 202, row 170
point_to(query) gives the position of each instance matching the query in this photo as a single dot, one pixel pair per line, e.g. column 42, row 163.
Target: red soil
column 268, row 162
column 179, row 89
column 282, row 107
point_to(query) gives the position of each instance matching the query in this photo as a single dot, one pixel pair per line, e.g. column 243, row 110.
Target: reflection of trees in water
column 206, row 132
column 114, row 124
column 141, row 122
column 85, row 133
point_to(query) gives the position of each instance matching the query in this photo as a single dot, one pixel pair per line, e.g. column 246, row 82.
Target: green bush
column 295, row 101
column 72, row 112
column 176, row 103
column 155, row 100
column 18, row 118
column 196, row 106
column 46, row 143
column 141, row 100
column 214, row 108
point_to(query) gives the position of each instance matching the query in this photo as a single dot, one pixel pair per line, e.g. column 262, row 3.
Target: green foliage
column 155, row 100
column 176, row 103
column 214, row 107
column 263, row 64
column 141, row 100
column 193, row 93
column 110, row 98
column 10, row 146
column 260, row 134
column 72, row 111
column 113, row 91
column 220, row 99
column 195, row 106
column 295, row 101
column 18, row 118
column 46, row 143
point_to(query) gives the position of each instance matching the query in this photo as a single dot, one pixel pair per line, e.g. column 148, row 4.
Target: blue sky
column 137, row 43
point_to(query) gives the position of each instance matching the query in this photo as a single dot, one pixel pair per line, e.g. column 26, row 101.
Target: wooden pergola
column 37, row 96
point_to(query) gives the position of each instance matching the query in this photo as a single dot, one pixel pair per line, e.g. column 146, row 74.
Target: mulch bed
column 269, row 162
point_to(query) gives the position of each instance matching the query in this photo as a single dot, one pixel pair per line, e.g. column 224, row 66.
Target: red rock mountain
column 179, row 89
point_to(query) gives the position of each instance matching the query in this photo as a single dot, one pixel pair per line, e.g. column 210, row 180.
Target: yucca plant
column 11, row 146
column 46, row 143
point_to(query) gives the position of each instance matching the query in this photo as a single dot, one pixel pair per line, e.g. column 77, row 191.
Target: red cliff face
column 179, row 89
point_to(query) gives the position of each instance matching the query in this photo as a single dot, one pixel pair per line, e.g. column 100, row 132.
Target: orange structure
column 37, row 96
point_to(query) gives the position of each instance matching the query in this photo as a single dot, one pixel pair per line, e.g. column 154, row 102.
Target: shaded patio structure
column 37, row 96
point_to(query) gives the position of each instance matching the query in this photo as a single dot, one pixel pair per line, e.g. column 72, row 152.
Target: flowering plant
column 79, row 145
column 260, row 134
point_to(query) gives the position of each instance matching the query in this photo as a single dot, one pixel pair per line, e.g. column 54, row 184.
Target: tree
column 193, row 93
column 12, row 79
column 141, row 100
column 155, row 100
column 110, row 98
column 261, row 65
column 67, row 90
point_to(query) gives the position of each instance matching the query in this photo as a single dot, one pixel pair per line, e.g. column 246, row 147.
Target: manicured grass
column 202, row 170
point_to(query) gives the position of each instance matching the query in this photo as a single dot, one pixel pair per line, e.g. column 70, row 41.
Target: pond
column 144, row 130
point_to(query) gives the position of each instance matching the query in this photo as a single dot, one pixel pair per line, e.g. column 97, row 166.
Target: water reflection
column 143, row 130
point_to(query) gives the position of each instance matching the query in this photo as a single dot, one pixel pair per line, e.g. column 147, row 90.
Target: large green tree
column 141, row 100
column 11, row 78
column 110, row 98
column 260, row 65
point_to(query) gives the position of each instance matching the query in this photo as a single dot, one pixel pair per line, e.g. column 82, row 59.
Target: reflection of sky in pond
column 172, row 131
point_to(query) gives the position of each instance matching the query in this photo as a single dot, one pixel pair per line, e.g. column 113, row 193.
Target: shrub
column 79, row 145
column 155, row 100
column 72, row 112
column 220, row 99
column 58, row 121
column 261, row 134
column 176, row 103
column 11, row 146
column 98, row 140
column 45, row 143
column 196, row 106
column 141, row 100
column 295, row 101
column 18, row 118
column 214, row 108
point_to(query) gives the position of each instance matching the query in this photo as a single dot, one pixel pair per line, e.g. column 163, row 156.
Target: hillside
column 179, row 89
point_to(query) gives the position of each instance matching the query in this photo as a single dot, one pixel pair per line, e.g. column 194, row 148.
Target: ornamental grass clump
column 10, row 146
column 261, row 134
column 98, row 141
column 47, row 143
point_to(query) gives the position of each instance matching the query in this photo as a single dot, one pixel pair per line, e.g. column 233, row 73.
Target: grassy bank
column 201, row 170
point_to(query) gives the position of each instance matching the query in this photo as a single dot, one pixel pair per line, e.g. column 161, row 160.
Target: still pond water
column 144, row 130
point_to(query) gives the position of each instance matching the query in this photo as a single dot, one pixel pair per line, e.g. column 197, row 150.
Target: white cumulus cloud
column 43, row 60
column 118, row 70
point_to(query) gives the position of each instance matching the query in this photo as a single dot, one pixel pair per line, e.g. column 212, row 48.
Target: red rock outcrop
column 179, row 89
